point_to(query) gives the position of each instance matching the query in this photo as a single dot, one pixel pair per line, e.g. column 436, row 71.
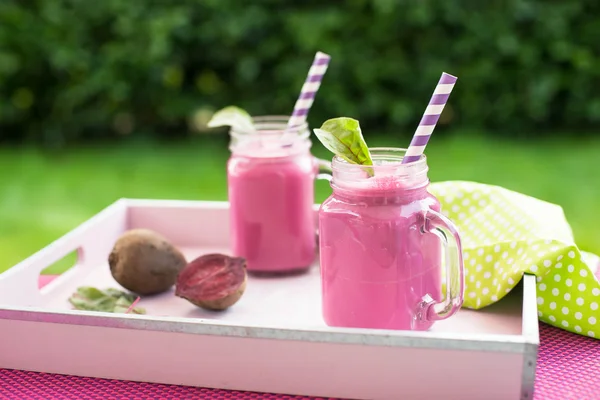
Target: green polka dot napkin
column 507, row 234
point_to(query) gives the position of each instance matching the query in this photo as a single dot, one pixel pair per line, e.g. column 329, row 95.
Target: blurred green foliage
column 78, row 69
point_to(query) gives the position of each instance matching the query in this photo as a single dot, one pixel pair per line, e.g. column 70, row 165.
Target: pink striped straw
column 430, row 118
column 309, row 89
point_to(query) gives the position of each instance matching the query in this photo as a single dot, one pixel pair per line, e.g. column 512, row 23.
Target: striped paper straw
column 430, row 118
column 309, row 89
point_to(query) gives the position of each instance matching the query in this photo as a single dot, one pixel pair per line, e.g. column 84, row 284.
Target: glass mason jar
column 384, row 247
column 270, row 176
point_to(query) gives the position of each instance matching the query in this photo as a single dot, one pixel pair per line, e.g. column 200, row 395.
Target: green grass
column 43, row 196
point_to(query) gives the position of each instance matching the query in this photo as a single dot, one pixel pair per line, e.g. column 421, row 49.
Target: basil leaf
column 343, row 137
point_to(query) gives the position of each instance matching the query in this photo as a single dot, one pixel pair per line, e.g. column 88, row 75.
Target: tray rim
column 527, row 343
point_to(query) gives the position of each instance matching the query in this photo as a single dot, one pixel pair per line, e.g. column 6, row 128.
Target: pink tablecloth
column 568, row 369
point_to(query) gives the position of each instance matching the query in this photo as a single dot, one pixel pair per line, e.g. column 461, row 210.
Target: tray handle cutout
column 60, row 270
column 19, row 286
column 92, row 241
column 64, row 264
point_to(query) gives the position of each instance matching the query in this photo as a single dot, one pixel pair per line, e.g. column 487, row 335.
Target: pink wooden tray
column 273, row 340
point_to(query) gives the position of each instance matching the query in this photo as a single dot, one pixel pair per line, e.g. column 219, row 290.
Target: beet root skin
column 145, row 262
column 213, row 281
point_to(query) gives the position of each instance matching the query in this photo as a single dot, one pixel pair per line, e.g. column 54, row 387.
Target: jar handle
column 442, row 227
column 324, row 170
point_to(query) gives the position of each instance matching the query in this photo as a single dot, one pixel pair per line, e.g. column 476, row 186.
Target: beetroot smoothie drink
column 271, row 175
column 384, row 245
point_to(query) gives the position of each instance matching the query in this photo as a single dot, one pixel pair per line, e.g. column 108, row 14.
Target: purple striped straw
column 430, row 118
column 309, row 89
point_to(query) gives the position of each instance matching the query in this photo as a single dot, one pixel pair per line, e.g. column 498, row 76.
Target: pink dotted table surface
column 568, row 369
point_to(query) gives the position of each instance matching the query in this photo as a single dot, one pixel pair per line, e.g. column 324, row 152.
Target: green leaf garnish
column 343, row 137
column 231, row 116
column 110, row 300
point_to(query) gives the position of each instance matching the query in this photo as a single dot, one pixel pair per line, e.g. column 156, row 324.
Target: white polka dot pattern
column 507, row 234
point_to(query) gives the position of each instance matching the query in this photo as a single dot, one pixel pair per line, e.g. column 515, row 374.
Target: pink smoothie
column 272, row 218
column 376, row 265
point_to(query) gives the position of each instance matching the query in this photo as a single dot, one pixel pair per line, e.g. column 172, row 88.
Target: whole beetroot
column 145, row 262
column 212, row 281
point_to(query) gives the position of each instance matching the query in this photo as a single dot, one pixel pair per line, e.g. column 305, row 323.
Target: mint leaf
column 343, row 137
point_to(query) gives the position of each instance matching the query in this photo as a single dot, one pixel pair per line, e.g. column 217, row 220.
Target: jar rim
column 386, row 175
column 391, row 155
column 272, row 125
column 271, row 135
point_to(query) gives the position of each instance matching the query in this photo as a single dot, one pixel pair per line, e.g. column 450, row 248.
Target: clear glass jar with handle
column 384, row 247
column 271, row 174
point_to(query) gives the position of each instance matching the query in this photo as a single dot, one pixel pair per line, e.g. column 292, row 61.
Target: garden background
column 107, row 99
